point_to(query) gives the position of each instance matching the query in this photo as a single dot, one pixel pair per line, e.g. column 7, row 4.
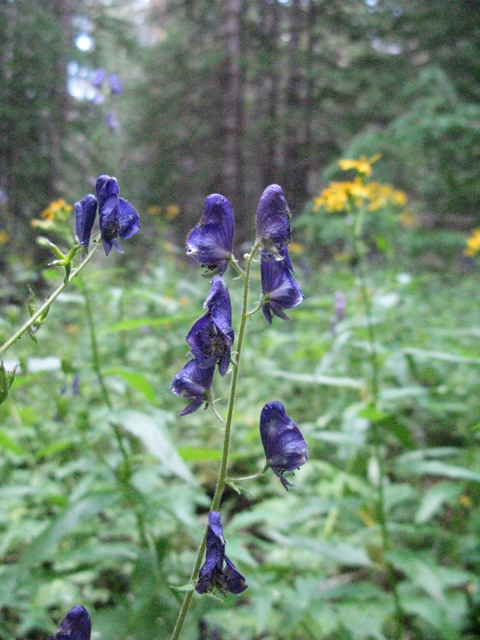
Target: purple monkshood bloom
column 285, row 447
column 211, row 336
column 193, row 381
column 98, row 78
column 218, row 571
column 211, row 242
column 115, row 84
column 118, row 219
column 273, row 223
column 85, row 212
column 112, row 122
column 280, row 289
column 75, row 626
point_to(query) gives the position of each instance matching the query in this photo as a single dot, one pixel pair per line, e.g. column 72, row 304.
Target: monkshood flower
column 211, row 242
column 273, row 223
column 279, row 288
column 116, row 87
column 284, row 445
column 98, row 78
column 211, row 336
column 85, row 212
column 75, row 626
column 218, row 571
column 118, row 219
column 193, row 381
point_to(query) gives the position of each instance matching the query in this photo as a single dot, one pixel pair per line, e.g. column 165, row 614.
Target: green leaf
column 438, row 468
column 135, row 379
column 10, row 445
column 152, row 431
column 138, row 323
column 190, row 454
column 434, row 499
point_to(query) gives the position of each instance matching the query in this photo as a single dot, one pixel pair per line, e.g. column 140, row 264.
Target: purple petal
column 279, row 286
column 128, row 220
column 85, row 213
column 273, row 222
column 75, row 626
column 193, row 382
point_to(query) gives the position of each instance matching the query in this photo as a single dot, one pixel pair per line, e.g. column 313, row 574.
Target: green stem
column 33, row 319
column 222, row 474
column 375, row 393
column 97, row 367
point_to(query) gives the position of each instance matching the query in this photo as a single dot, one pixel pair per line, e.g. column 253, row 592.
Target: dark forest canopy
column 229, row 96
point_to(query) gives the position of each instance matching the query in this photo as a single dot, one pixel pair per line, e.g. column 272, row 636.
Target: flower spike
column 213, row 574
column 284, row 445
column 118, row 219
column 75, row 626
column 211, row 242
column 273, row 223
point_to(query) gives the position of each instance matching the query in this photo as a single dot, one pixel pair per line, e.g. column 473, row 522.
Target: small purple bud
column 273, row 223
column 98, row 78
column 115, row 84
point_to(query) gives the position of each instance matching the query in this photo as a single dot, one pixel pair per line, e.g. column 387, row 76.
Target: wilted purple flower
column 211, row 242
column 118, row 219
column 115, row 84
column 285, row 447
column 214, row 573
column 85, row 213
column 98, row 78
column 273, row 223
column 280, row 289
column 75, row 626
column 211, row 336
column 112, row 122
column 193, row 381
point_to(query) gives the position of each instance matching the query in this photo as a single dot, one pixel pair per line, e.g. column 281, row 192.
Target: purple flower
column 112, row 122
column 273, row 223
column 211, row 336
column 98, row 78
column 75, row 626
column 115, row 84
column 193, row 381
column 217, row 570
column 85, row 212
column 280, row 289
column 211, row 242
column 340, row 305
column 285, row 447
column 118, row 219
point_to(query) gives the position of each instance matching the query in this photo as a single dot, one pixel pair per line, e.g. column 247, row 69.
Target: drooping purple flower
column 85, row 213
column 75, row 626
column 279, row 287
column 118, row 219
column 284, row 445
column 116, row 87
column 218, row 571
column 273, row 223
column 194, row 382
column 211, row 242
column 112, row 122
column 98, row 78
column 211, row 336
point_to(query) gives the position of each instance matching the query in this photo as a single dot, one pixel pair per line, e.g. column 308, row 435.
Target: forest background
column 229, row 97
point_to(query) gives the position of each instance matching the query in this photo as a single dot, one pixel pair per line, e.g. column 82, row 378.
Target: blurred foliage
column 82, row 523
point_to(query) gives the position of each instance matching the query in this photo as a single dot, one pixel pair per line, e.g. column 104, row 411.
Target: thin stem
column 375, row 393
column 222, row 474
column 97, row 367
column 33, row 319
column 253, row 476
column 236, row 267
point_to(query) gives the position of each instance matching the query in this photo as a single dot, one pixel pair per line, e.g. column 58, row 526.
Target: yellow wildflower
column 3, row 237
column 295, row 247
column 473, row 244
column 362, row 165
column 381, row 195
column 154, row 210
column 465, row 500
column 57, row 209
column 406, row 219
column 172, row 211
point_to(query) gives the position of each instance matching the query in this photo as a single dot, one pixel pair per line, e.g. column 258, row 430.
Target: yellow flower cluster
column 473, row 244
column 3, row 237
column 171, row 211
column 57, row 211
column 339, row 195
